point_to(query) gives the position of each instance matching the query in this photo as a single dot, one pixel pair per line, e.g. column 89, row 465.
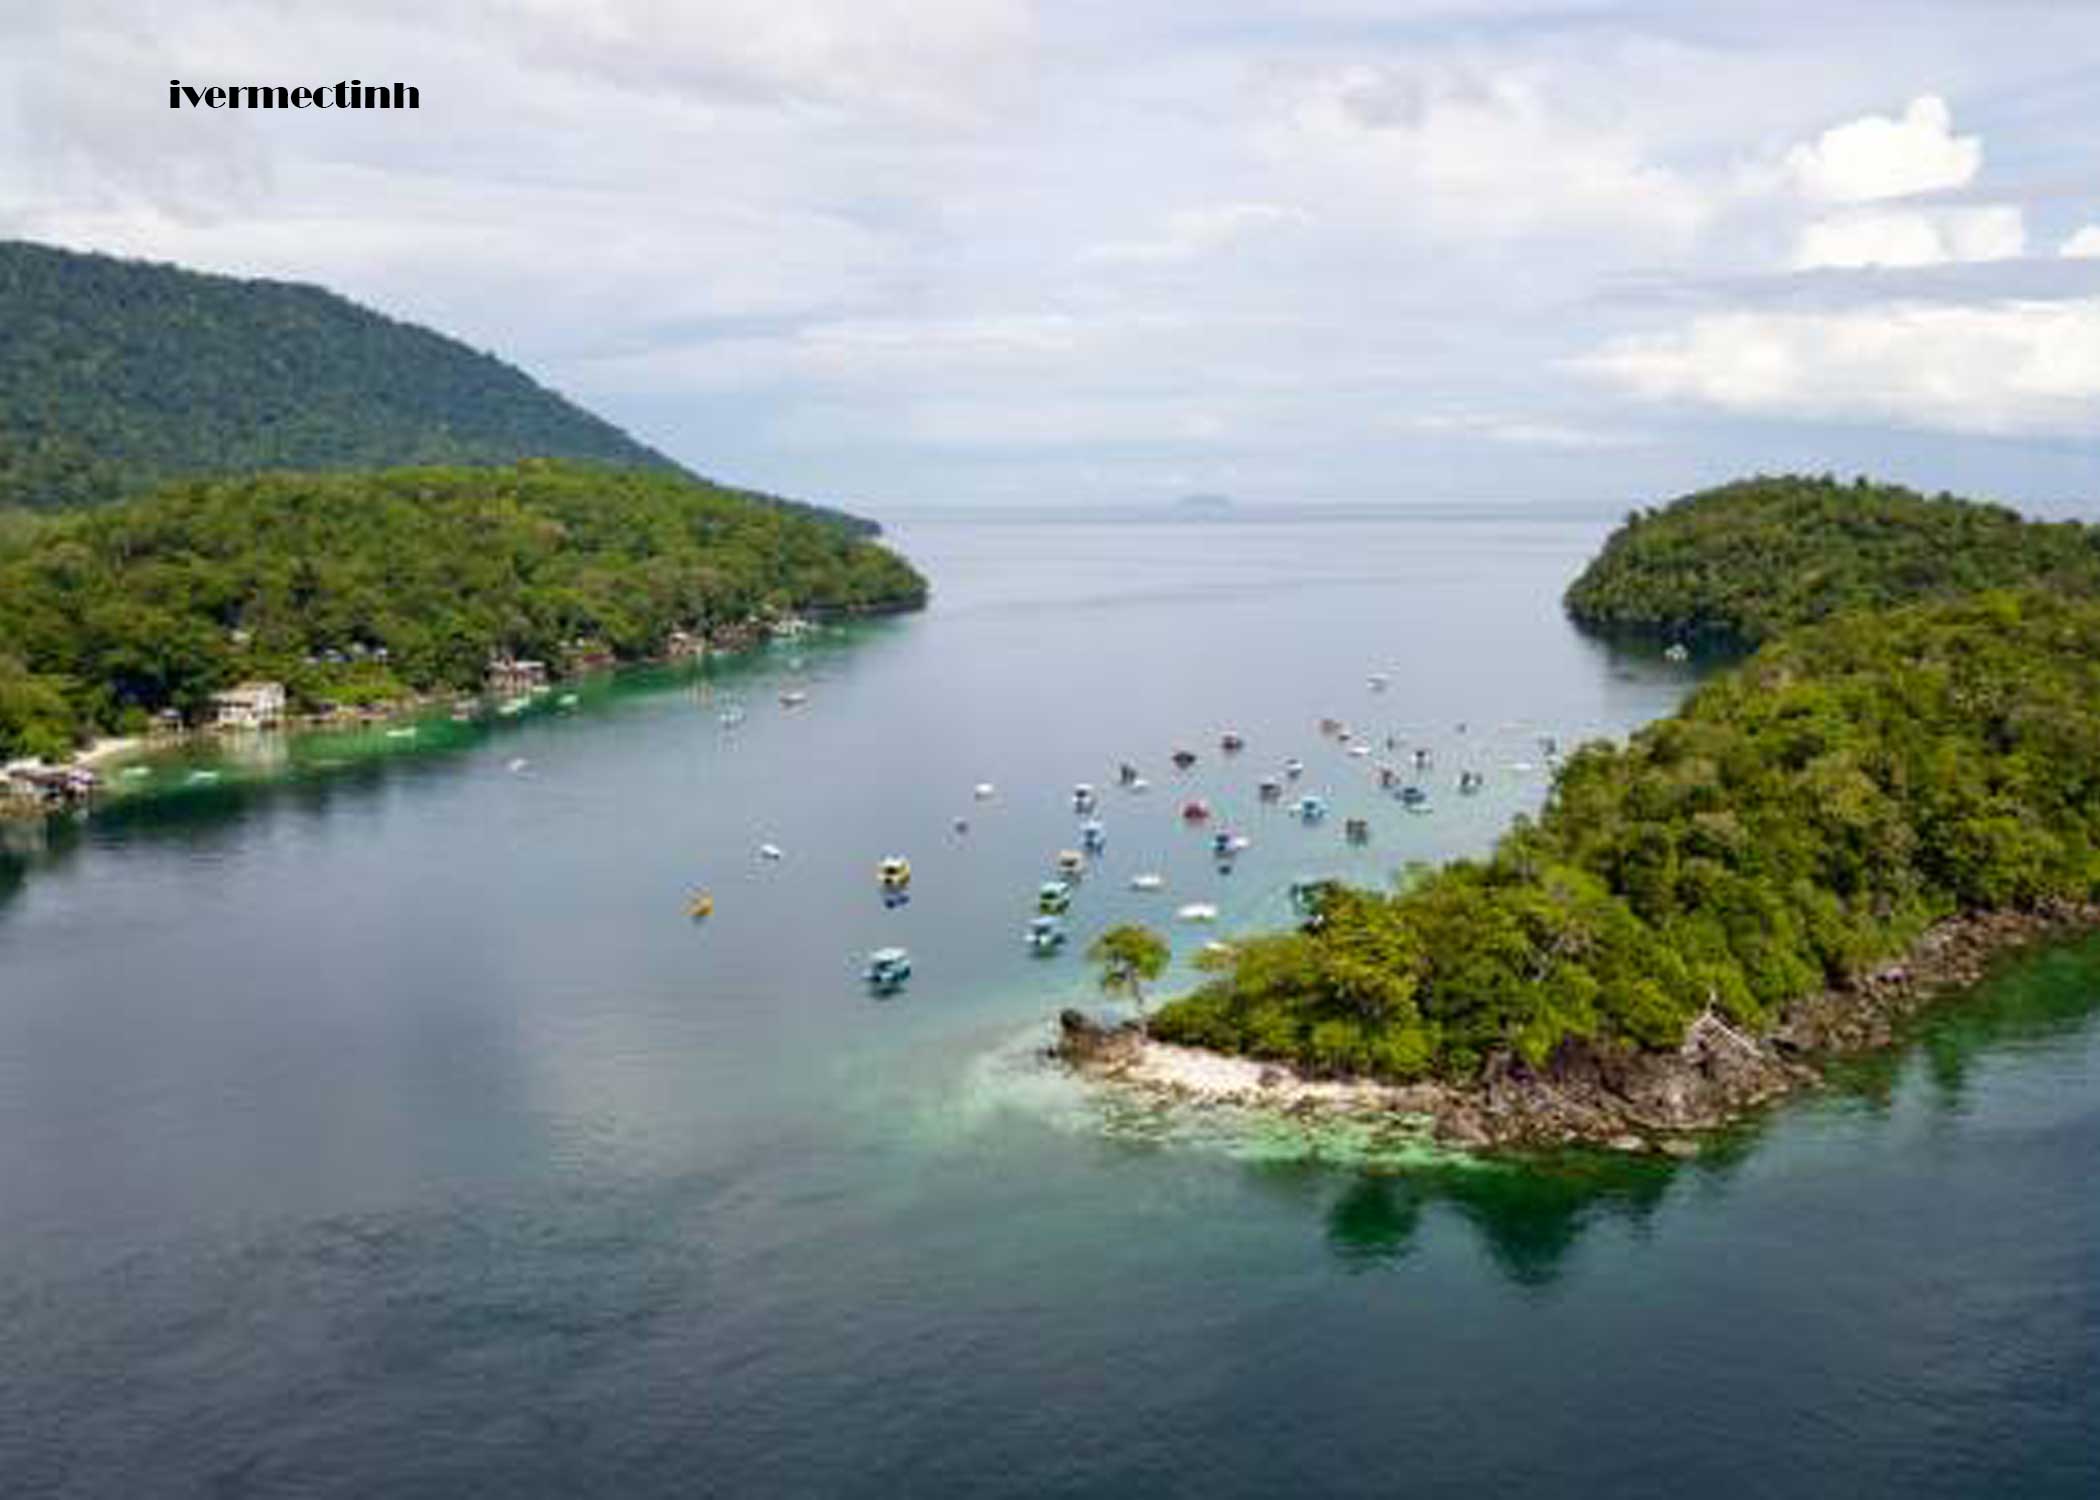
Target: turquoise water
column 375, row 1122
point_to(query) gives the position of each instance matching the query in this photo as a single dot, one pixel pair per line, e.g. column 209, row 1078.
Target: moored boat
column 887, row 970
column 1046, row 933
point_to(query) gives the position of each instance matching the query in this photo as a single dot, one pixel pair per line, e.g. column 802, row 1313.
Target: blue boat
column 1046, row 934
column 887, row 970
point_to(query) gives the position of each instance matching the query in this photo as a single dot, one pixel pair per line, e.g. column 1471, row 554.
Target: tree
column 1131, row 957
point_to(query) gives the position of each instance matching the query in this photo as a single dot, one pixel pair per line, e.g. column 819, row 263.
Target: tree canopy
column 1737, row 565
column 1805, row 815
column 116, row 374
column 357, row 587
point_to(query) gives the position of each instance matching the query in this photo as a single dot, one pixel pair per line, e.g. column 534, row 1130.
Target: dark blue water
column 375, row 1123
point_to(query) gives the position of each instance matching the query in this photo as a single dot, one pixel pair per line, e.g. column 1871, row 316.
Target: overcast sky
column 906, row 251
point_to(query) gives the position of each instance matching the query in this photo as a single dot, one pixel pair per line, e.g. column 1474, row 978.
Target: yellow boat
column 894, row 873
column 702, row 905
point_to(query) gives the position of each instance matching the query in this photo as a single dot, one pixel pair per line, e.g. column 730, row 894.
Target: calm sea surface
column 372, row 1121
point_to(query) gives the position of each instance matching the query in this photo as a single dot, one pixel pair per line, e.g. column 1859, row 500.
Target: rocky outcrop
column 1622, row 1098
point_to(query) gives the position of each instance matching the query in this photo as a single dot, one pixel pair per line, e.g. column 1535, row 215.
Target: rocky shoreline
column 1630, row 1101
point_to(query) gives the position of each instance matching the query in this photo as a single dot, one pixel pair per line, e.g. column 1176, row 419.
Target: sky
column 952, row 252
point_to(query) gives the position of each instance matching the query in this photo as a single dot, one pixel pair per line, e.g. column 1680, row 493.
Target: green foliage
column 352, row 588
column 1737, row 565
column 116, row 375
column 1802, row 817
column 1131, row 956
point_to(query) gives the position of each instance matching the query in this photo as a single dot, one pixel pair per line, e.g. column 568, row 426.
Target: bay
column 373, row 1120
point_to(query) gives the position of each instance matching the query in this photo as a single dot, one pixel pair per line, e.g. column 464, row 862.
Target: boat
column 1093, row 838
column 1083, row 797
column 961, row 825
column 1196, row 810
column 701, row 906
column 1421, row 759
column 1127, row 774
column 1677, row 651
column 566, row 700
column 1046, row 934
column 1232, row 742
column 1293, row 769
column 1221, row 844
column 731, row 716
column 1183, row 759
column 405, row 732
column 1331, row 727
column 887, row 970
column 1359, row 750
column 793, row 698
column 1150, row 880
column 518, row 763
column 1378, row 681
column 1357, row 831
column 983, row 791
column 769, row 851
column 1311, row 809
column 1468, row 783
column 894, row 873
column 1053, row 897
column 1196, row 911
column 1071, row 863
column 1140, row 784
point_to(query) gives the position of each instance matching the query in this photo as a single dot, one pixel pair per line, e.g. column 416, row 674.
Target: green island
column 360, row 589
column 1860, row 812
column 1734, row 566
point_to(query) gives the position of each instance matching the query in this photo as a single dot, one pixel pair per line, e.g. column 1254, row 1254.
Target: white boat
column 769, row 851
column 1197, row 911
column 1140, row 784
column 983, row 791
column 793, row 698
column 518, row 763
column 1151, row 880
column 1359, row 750
column 407, row 732
column 567, row 700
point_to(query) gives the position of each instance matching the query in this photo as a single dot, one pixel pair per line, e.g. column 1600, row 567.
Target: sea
column 375, row 1120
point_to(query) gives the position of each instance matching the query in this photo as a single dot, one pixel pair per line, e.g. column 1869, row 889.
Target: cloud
column 2016, row 368
column 1482, row 152
column 1196, row 232
column 1875, row 157
column 1912, row 237
column 2084, row 245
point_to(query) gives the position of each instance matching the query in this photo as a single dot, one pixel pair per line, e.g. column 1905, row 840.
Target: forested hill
column 117, row 374
column 1803, row 818
column 1739, row 564
column 360, row 587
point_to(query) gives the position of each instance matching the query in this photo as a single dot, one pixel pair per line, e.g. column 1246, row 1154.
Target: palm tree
column 1130, row 957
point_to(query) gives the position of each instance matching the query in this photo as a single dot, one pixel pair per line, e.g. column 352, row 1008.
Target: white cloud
column 1196, row 232
column 1481, row 153
column 2084, row 245
column 2005, row 368
column 1876, row 157
column 1912, row 237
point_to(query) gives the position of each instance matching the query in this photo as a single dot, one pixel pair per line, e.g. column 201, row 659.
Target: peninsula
column 1854, row 818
